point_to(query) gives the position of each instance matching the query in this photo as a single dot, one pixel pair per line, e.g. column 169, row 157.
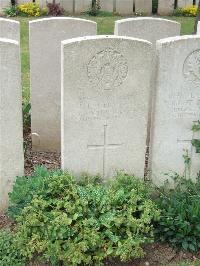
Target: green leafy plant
column 180, row 214
column 81, row 222
column 196, row 142
column 25, row 188
column 11, row 11
column 196, row 126
column 9, row 253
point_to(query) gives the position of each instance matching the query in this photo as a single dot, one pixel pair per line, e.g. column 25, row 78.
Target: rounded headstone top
column 61, row 19
column 147, row 19
column 103, row 37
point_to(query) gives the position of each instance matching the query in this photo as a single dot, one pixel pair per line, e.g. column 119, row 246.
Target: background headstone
column 82, row 6
column 45, row 71
column 150, row 29
column 9, row 29
column 143, row 6
column 177, row 106
column 68, row 5
column 147, row 28
column 185, row 3
column 105, row 110
column 107, row 5
column 198, row 28
column 165, row 7
column 124, row 7
column 11, row 133
column 4, row 4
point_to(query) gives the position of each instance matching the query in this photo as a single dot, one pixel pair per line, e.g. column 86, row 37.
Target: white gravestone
column 107, row 5
column 11, row 136
column 198, row 28
column 124, row 7
column 165, row 7
column 9, row 29
column 184, row 3
column 82, row 6
column 45, row 69
column 105, row 110
column 68, row 5
column 177, row 106
column 4, row 4
column 147, row 28
column 143, row 6
column 150, row 29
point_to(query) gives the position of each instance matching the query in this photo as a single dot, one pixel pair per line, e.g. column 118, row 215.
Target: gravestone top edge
column 170, row 40
column 5, row 40
column 147, row 19
column 61, row 18
column 10, row 20
column 104, row 37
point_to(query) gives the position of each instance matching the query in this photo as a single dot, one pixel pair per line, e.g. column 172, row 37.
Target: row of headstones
column 119, row 6
column 166, row 7
column 92, row 97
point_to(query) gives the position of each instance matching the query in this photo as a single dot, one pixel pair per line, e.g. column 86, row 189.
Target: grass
column 105, row 23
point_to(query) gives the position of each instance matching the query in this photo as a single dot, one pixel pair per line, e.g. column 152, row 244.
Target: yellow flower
column 30, row 9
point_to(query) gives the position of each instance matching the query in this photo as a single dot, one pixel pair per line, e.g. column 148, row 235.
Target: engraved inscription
column 107, row 69
column 191, row 67
column 92, row 109
column 185, row 105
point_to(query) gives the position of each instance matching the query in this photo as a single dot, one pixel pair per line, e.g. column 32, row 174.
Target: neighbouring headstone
column 143, row 6
column 165, row 7
column 21, row 2
column 45, row 71
column 184, row 3
column 107, row 5
column 198, row 28
column 11, row 136
column 105, row 109
column 176, row 108
column 147, row 28
column 9, row 29
column 82, row 6
column 68, row 6
column 124, row 7
column 4, row 4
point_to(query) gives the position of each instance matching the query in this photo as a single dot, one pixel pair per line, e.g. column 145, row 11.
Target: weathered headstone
column 184, row 3
column 11, row 137
column 107, row 5
column 9, row 29
column 147, row 28
column 4, row 4
column 165, row 7
column 143, row 6
column 177, row 106
column 198, row 28
column 45, row 66
column 124, row 7
column 68, row 5
column 105, row 110
column 82, row 6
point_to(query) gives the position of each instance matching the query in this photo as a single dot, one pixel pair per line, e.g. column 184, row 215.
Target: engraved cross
column 104, row 147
